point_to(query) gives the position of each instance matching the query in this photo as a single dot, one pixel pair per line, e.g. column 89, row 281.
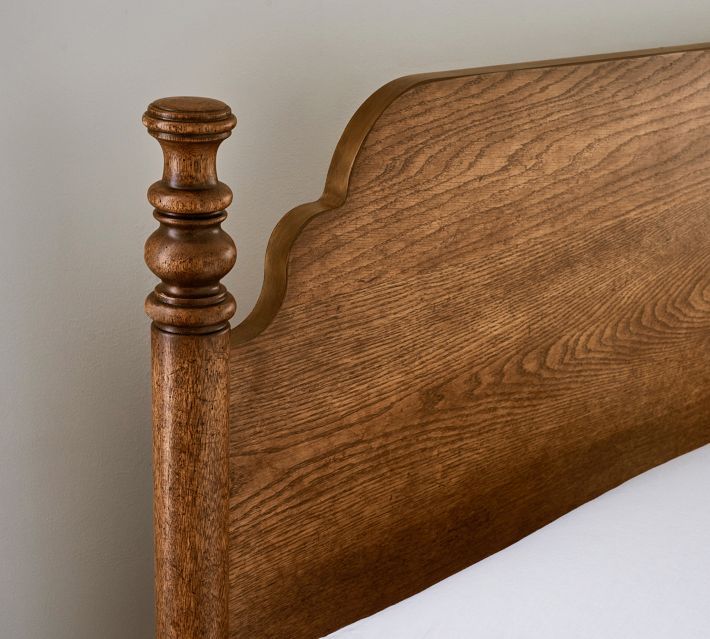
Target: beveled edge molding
column 189, row 251
column 346, row 151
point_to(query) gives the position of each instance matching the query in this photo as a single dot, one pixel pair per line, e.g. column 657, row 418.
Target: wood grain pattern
column 508, row 315
column 339, row 173
column 190, row 310
column 190, row 483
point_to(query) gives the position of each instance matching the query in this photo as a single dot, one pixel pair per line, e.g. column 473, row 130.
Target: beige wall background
column 75, row 76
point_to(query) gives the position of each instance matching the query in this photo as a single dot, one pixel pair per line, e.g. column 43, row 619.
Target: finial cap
column 189, row 116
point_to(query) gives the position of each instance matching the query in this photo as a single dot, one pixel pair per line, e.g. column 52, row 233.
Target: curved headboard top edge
column 346, row 151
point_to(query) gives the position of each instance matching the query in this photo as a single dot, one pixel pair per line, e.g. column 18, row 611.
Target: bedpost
column 190, row 310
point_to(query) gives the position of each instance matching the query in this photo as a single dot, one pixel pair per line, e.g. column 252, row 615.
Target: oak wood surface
column 508, row 315
column 190, row 310
column 190, row 439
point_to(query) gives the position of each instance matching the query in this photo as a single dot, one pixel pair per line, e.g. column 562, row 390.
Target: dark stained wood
column 508, row 315
column 190, row 310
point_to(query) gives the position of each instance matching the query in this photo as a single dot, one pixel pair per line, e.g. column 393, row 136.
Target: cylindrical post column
column 190, row 310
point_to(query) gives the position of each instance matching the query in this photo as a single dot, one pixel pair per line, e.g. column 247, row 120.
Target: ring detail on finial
column 189, row 116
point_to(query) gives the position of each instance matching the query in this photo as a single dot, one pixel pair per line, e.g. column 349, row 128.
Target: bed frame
column 498, row 309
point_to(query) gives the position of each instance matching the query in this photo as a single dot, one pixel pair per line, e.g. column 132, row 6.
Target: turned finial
column 190, row 252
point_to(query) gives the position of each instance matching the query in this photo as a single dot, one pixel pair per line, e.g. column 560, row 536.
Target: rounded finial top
column 189, row 116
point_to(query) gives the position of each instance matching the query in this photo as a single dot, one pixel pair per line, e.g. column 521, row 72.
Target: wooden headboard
column 498, row 309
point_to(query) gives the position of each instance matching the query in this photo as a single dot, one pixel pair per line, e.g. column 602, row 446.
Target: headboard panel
column 507, row 315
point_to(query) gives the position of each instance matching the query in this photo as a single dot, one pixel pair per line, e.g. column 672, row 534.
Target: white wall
column 75, row 76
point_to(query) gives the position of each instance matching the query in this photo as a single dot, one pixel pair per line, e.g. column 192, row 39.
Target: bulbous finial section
column 190, row 252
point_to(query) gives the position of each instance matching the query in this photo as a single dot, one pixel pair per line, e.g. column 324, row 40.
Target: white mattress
column 633, row 563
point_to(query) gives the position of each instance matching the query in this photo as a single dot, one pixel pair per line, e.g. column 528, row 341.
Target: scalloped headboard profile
column 498, row 310
column 507, row 315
